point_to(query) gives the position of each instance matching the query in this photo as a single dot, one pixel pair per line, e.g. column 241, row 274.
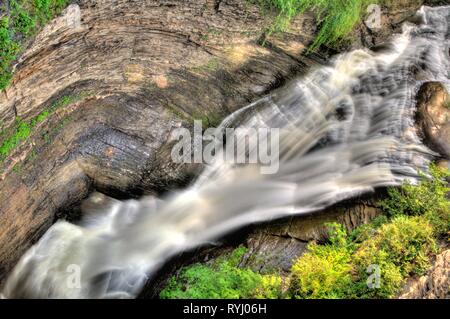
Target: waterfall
column 345, row 129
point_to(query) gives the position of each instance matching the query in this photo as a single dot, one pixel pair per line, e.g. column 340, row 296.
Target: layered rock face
column 138, row 70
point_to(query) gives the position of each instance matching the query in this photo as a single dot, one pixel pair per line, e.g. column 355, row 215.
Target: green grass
column 337, row 18
column 22, row 129
column 25, row 19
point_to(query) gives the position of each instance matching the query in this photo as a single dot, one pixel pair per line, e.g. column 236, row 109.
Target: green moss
column 447, row 104
column 211, row 32
column 22, row 130
column 222, row 278
column 21, row 133
column 212, row 65
column 55, row 130
column 208, row 119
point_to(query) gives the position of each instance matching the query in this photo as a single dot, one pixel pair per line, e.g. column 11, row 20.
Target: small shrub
column 366, row 231
column 325, row 270
column 270, row 287
column 399, row 248
column 427, row 198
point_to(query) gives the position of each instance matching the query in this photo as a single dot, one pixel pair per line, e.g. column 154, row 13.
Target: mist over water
column 345, row 129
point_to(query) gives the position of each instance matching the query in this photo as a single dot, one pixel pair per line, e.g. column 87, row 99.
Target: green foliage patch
column 427, row 199
column 24, row 20
column 324, row 272
column 399, row 243
column 222, row 278
column 8, row 50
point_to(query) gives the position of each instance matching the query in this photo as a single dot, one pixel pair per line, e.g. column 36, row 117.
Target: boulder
column 433, row 116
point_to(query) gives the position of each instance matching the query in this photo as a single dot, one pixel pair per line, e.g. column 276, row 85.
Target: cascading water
column 345, row 129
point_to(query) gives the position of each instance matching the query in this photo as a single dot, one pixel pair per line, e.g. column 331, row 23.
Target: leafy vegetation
column 222, row 278
column 397, row 245
column 325, row 270
column 337, row 18
column 400, row 248
column 427, row 199
column 8, row 50
column 24, row 20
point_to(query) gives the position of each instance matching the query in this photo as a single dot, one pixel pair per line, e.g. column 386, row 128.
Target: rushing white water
column 346, row 129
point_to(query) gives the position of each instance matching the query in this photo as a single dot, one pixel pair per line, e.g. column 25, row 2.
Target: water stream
column 345, row 129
